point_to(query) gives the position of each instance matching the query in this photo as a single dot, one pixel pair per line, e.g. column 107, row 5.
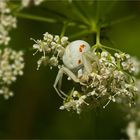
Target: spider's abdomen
column 73, row 53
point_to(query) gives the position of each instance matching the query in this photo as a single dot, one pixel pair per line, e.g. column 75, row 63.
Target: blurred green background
column 34, row 110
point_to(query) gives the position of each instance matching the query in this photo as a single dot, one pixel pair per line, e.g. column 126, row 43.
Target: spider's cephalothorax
column 76, row 61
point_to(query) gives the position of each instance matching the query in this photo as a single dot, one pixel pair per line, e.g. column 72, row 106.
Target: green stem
column 79, row 34
column 44, row 19
column 113, row 49
column 37, row 18
column 118, row 65
column 98, row 44
column 64, row 29
column 118, row 21
column 98, row 38
column 79, row 13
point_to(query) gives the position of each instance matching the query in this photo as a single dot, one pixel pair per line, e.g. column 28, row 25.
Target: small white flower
column 104, row 54
column 26, row 3
column 117, row 55
column 56, row 38
column 53, row 61
column 6, row 92
column 64, row 40
column 75, row 93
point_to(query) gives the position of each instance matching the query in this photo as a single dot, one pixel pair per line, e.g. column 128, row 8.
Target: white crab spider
column 76, row 61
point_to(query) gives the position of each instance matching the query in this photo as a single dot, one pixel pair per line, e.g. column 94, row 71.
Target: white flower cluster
column 7, row 22
column 11, row 65
column 52, row 48
column 133, row 115
column 74, row 102
column 26, row 3
column 11, row 62
column 112, row 77
column 133, row 131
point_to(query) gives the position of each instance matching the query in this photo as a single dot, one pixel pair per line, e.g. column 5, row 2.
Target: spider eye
column 73, row 53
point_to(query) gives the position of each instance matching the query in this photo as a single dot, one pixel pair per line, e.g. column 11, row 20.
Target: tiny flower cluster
column 110, row 80
column 7, row 22
column 128, row 63
column 26, row 3
column 74, row 102
column 52, row 48
column 11, row 65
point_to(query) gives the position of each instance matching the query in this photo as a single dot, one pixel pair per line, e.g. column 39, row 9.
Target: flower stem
column 113, row 49
column 64, row 29
column 98, row 44
column 124, row 19
column 79, row 34
column 34, row 17
column 98, row 38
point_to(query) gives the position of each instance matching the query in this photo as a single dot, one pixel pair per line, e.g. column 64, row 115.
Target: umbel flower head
column 100, row 75
column 7, row 22
column 52, row 48
column 109, row 80
column 11, row 65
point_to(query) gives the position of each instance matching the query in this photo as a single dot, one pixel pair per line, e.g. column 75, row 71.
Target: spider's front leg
column 90, row 61
column 58, row 80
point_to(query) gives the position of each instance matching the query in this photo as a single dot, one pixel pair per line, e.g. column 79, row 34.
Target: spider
column 77, row 62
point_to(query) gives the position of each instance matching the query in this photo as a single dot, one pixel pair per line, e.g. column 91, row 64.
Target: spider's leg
column 87, row 59
column 90, row 61
column 60, row 84
column 70, row 74
column 58, row 80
